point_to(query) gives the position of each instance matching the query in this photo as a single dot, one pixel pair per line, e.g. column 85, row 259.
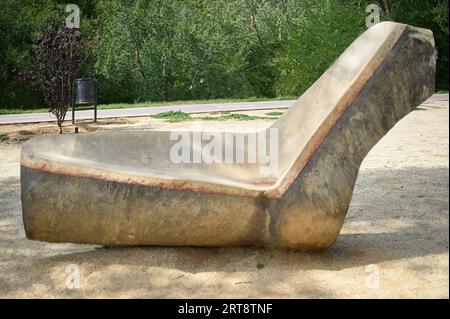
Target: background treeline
column 162, row 50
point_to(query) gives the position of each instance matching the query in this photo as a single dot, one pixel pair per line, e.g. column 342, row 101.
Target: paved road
column 145, row 111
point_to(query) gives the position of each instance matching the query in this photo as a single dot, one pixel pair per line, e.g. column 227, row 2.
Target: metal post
column 95, row 103
column 73, row 110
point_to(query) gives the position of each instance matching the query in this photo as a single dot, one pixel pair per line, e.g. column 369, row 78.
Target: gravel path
column 394, row 242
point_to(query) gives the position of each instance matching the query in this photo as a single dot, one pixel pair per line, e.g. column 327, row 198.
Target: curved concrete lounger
column 121, row 188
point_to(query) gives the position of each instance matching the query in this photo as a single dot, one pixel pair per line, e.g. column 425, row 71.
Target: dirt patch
column 394, row 242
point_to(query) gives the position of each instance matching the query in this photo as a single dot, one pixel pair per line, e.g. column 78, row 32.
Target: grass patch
column 21, row 111
column 179, row 116
column 233, row 116
column 173, row 116
column 274, row 113
column 241, row 117
column 260, row 265
column 4, row 137
column 212, row 118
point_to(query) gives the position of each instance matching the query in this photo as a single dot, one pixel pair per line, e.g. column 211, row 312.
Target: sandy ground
column 394, row 242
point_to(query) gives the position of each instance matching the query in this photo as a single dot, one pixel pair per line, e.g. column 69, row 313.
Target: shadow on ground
column 395, row 217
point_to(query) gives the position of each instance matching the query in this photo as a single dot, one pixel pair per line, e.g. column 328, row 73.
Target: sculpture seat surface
column 124, row 188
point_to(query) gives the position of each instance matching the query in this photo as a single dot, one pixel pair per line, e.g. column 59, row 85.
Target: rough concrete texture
column 122, row 188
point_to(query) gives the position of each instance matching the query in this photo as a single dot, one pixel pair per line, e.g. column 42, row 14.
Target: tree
column 429, row 14
column 19, row 21
column 323, row 30
column 56, row 57
column 154, row 50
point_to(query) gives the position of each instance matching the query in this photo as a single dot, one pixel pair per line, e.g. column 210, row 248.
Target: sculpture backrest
column 306, row 124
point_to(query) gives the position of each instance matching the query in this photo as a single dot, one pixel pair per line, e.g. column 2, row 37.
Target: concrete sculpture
column 123, row 188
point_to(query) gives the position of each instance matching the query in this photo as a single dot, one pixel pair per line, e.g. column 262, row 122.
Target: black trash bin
column 84, row 96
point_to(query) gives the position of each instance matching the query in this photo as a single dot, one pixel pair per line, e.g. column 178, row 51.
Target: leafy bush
column 173, row 116
column 165, row 50
column 323, row 31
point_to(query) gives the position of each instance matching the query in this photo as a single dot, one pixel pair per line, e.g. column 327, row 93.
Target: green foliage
column 167, row 50
column 274, row 113
column 260, row 265
column 170, row 50
column 232, row 116
column 240, row 117
column 173, row 116
column 56, row 57
column 322, row 32
column 4, row 137
column 432, row 14
column 19, row 22
column 429, row 14
column 179, row 116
